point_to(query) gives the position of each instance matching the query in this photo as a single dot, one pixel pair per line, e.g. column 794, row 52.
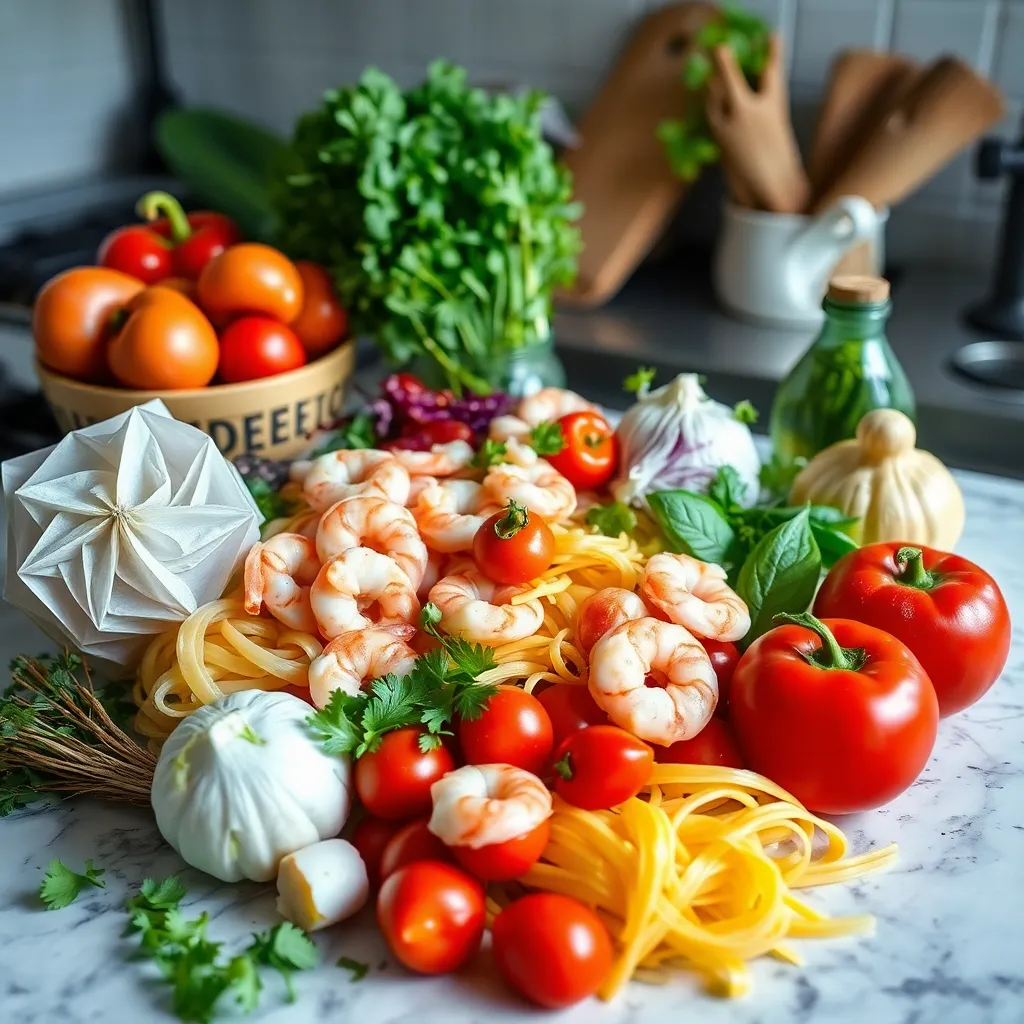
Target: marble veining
column 950, row 915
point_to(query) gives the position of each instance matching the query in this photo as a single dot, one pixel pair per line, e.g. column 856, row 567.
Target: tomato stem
column 913, row 573
column 515, row 518
column 564, row 768
column 154, row 205
column 830, row 655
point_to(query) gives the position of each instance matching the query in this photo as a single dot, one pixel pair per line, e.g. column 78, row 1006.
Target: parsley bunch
column 442, row 685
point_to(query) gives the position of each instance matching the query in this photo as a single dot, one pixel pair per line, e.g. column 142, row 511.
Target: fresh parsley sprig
column 490, row 453
column 547, row 439
column 639, row 381
column 61, row 885
column 612, row 519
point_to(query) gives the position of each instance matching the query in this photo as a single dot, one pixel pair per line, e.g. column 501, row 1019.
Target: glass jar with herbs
column 848, row 371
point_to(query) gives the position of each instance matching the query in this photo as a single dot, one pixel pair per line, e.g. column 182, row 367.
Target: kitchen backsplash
column 66, row 70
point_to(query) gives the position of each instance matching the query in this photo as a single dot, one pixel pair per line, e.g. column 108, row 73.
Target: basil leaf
column 727, row 488
column 832, row 542
column 780, row 575
column 692, row 524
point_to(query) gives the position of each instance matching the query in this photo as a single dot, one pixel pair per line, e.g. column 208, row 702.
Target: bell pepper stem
column 830, row 655
column 912, row 572
column 154, row 205
column 515, row 518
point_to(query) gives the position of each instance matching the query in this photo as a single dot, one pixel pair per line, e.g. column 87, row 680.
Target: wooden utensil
column 941, row 113
column 862, row 85
column 755, row 134
column 621, row 173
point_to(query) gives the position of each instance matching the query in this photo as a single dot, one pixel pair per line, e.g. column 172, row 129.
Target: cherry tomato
column 322, row 322
column 443, row 431
column 591, row 450
column 250, row 279
column 371, row 837
column 714, row 744
column 570, row 709
column 412, row 842
column 137, row 251
column 724, row 659
column 432, row 916
column 501, row 862
column 552, row 949
column 513, row 729
column 394, row 780
column 256, row 346
column 602, row 766
column 514, row 545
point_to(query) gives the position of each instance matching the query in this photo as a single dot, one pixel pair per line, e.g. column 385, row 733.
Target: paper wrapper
column 122, row 529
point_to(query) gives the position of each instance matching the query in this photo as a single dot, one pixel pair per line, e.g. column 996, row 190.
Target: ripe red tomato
column 591, row 450
column 371, row 837
column 714, row 745
column 602, row 766
column 257, row 346
column 513, row 729
column 412, row 842
column 443, row 431
column 724, row 657
column 501, row 862
column 432, row 916
column 552, row 949
column 322, row 322
column 137, row 251
column 570, row 709
column 514, row 545
column 394, row 780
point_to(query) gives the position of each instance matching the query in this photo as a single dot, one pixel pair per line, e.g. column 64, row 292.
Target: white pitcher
column 773, row 268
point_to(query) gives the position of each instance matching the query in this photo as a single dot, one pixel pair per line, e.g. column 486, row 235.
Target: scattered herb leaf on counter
column 490, row 453
column 640, row 380
column 547, row 439
column 61, row 885
column 612, row 519
column 285, row 948
column 358, row 969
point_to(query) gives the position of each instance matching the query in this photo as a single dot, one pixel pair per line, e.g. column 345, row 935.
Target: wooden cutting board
column 620, row 171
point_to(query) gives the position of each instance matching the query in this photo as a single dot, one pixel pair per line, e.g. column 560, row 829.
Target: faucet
column 1002, row 312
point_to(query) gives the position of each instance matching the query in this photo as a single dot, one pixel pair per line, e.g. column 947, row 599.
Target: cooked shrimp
column 278, row 574
column 604, row 611
column 478, row 609
column 483, row 804
column 506, row 428
column 349, row 472
column 355, row 658
column 417, row 485
column 369, row 521
column 550, row 404
column 694, row 594
column 433, row 572
column 519, row 453
column 540, row 487
column 450, row 513
column 441, row 460
column 361, row 588
column 623, row 660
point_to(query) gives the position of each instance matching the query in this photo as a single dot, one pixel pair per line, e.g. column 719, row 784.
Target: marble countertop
column 950, row 914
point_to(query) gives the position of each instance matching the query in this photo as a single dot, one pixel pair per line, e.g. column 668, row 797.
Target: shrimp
column 346, row 473
column 417, row 485
column 370, row 521
column 604, row 611
column 360, row 588
column 694, row 594
column 441, row 460
column 509, row 428
column 450, row 513
column 352, row 659
column 483, row 804
column 550, row 404
column 540, row 487
column 433, row 572
column 478, row 609
column 623, row 660
column 278, row 574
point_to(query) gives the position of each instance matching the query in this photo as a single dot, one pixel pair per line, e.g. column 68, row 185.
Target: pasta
column 699, row 871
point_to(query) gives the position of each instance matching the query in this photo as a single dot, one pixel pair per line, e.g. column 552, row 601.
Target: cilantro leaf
column 285, row 948
column 471, row 700
column 547, row 438
column 61, row 885
column 612, row 519
column 745, row 412
column 639, row 382
column 490, row 453
column 336, row 726
column 357, row 967
column 394, row 703
column 469, row 658
column 359, row 432
column 430, row 615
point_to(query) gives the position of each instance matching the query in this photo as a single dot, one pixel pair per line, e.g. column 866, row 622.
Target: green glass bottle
column 848, row 371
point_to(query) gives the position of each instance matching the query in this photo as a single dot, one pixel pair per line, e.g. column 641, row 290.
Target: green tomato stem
column 154, row 205
column 830, row 655
column 914, row 574
column 515, row 518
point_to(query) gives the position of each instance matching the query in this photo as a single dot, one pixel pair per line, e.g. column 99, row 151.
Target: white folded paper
column 122, row 529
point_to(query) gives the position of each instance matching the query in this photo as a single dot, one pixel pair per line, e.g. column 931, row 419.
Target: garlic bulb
column 677, row 437
column 897, row 491
column 322, row 884
column 240, row 783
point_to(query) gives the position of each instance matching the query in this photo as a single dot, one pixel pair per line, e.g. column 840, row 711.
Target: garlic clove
column 322, row 884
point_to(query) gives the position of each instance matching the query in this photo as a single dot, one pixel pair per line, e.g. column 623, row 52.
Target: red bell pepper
column 949, row 612
column 837, row 712
column 172, row 245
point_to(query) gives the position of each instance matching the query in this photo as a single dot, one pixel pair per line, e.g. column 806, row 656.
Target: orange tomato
column 250, row 278
column 73, row 318
column 165, row 343
column 322, row 322
column 183, row 285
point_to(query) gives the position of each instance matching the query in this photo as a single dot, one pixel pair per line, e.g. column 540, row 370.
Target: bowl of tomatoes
column 233, row 337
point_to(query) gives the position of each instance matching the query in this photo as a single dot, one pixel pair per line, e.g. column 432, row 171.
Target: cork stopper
column 855, row 289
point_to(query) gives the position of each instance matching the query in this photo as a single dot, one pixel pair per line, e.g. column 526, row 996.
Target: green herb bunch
column 440, row 212
column 687, row 140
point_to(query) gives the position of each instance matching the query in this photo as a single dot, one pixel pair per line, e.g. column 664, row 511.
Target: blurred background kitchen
column 84, row 84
